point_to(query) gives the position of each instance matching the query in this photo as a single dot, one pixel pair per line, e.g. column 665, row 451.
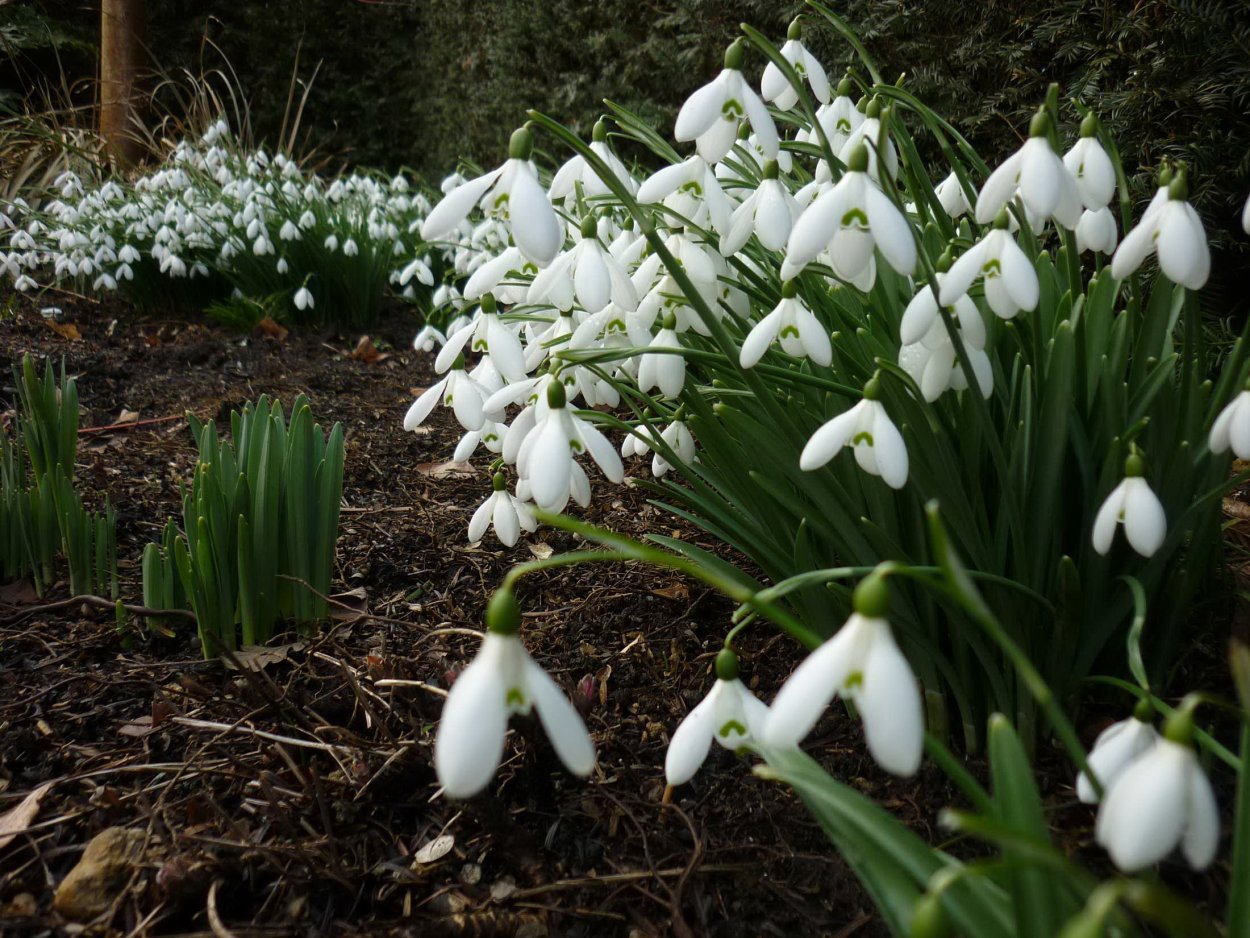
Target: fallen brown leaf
column 20, row 816
column 349, row 606
column 541, row 550
column 676, row 591
column 18, row 593
column 436, row 849
column 452, row 468
column 259, row 657
column 367, row 352
column 126, row 416
column 268, row 326
column 66, row 330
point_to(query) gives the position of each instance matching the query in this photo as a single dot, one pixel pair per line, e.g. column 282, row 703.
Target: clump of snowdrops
column 948, row 407
column 248, row 232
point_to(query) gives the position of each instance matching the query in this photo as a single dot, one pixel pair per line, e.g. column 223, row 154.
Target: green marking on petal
column 732, row 109
column 576, row 446
column 843, row 125
column 853, row 680
column 855, row 217
column 789, row 331
column 479, row 345
column 515, row 698
column 992, row 268
column 731, row 726
column 692, row 187
column 862, row 437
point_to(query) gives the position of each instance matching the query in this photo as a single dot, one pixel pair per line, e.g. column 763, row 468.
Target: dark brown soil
column 316, row 827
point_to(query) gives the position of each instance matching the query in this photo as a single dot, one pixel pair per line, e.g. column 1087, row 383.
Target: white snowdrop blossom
column 1037, row 174
column 863, row 664
column 427, row 338
column 1172, row 230
column 774, row 86
column 849, row 220
column 1232, row 427
column 1116, row 748
column 577, row 171
column 729, row 714
column 867, row 429
column 510, row 192
column 501, row 681
column 711, row 115
column 304, row 299
column 1091, row 167
column 797, row 327
column 868, row 133
column 662, row 369
column 1162, row 800
column 545, row 458
column 1135, row 505
column 769, row 213
column 690, row 188
column 838, row 119
column 1245, row 217
column 951, row 196
column 1096, row 231
column 676, row 436
column 928, row 353
column 506, row 513
column 457, row 390
column 587, row 273
column 1008, row 277
column 486, row 334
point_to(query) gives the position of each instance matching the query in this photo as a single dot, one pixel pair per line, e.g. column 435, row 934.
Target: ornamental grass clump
column 41, row 513
column 260, row 523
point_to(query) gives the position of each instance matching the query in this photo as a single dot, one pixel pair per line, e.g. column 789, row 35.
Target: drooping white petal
column 761, row 336
column 691, row 741
column 1142, row 815
column 1145, row 524
column 814, row 683
column 701, row 109
column 481, row 519
column 564, row 726
column 424, row 405
column 453, row 207
column 826, row 442
column 1202, row 833
column 889, row 704
column 471, row 730
column 1114, row 750
column 535, row 226
column 890, row 231
column 1107, row 518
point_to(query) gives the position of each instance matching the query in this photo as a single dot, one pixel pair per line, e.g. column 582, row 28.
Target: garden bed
column 298, row 796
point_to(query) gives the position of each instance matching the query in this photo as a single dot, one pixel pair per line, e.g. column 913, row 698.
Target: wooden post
column 121, row 48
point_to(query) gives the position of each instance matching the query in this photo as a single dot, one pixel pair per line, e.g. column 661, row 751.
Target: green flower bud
column 726, row 665
column 487, row 302
column 857, row 162
column 733, row 55
column 1144, row 711
column 503, row 614
column 944, row 261
column 555, row 394
column 1179, row 727
column 872, row 388
column 600, row 132
column 871, row 597
column 589, row 226
column 1089, row 125
column 770, row 169
column 669, row 321
column 1178, row 188
column 1002, row 220
column 1039, row 126
column 874, row 107
column 1165, row 174
column 790, row 289
column 845, row 87
column 796, row 29
column 521, row 145
column 1134, row 466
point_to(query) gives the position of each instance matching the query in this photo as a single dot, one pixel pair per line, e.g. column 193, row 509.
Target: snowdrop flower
column 1091, row 167
column 1133, row 504
column 868, row 430
column 863, row 663
column 1037, row 174
column 350, row 248
column 1116, row 748
column 587, row 273
column 801, row 333
column 492, row 436
column 679, row 439
column 511, row 192
column 304, row 299
column 769, row 212
column 1161, row 800
column 849, row 220
column 486, row 334
column 838, row 119
column 427, row 338
column 1245, row 217
column 952, row 197
column 710, row 116
column 868, row 133
column 729, row 714
column 690, row 188
column 456, row 390
column 505, row 512
column 501, row 681
column 545, row 459
column 1009, row 279
column 775, row 88
column 1096, row 231
column 1171, row 229
column 661, row 369
column 577, row 170
column 289, row 231
column 927, row 352
column 1232, row 427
